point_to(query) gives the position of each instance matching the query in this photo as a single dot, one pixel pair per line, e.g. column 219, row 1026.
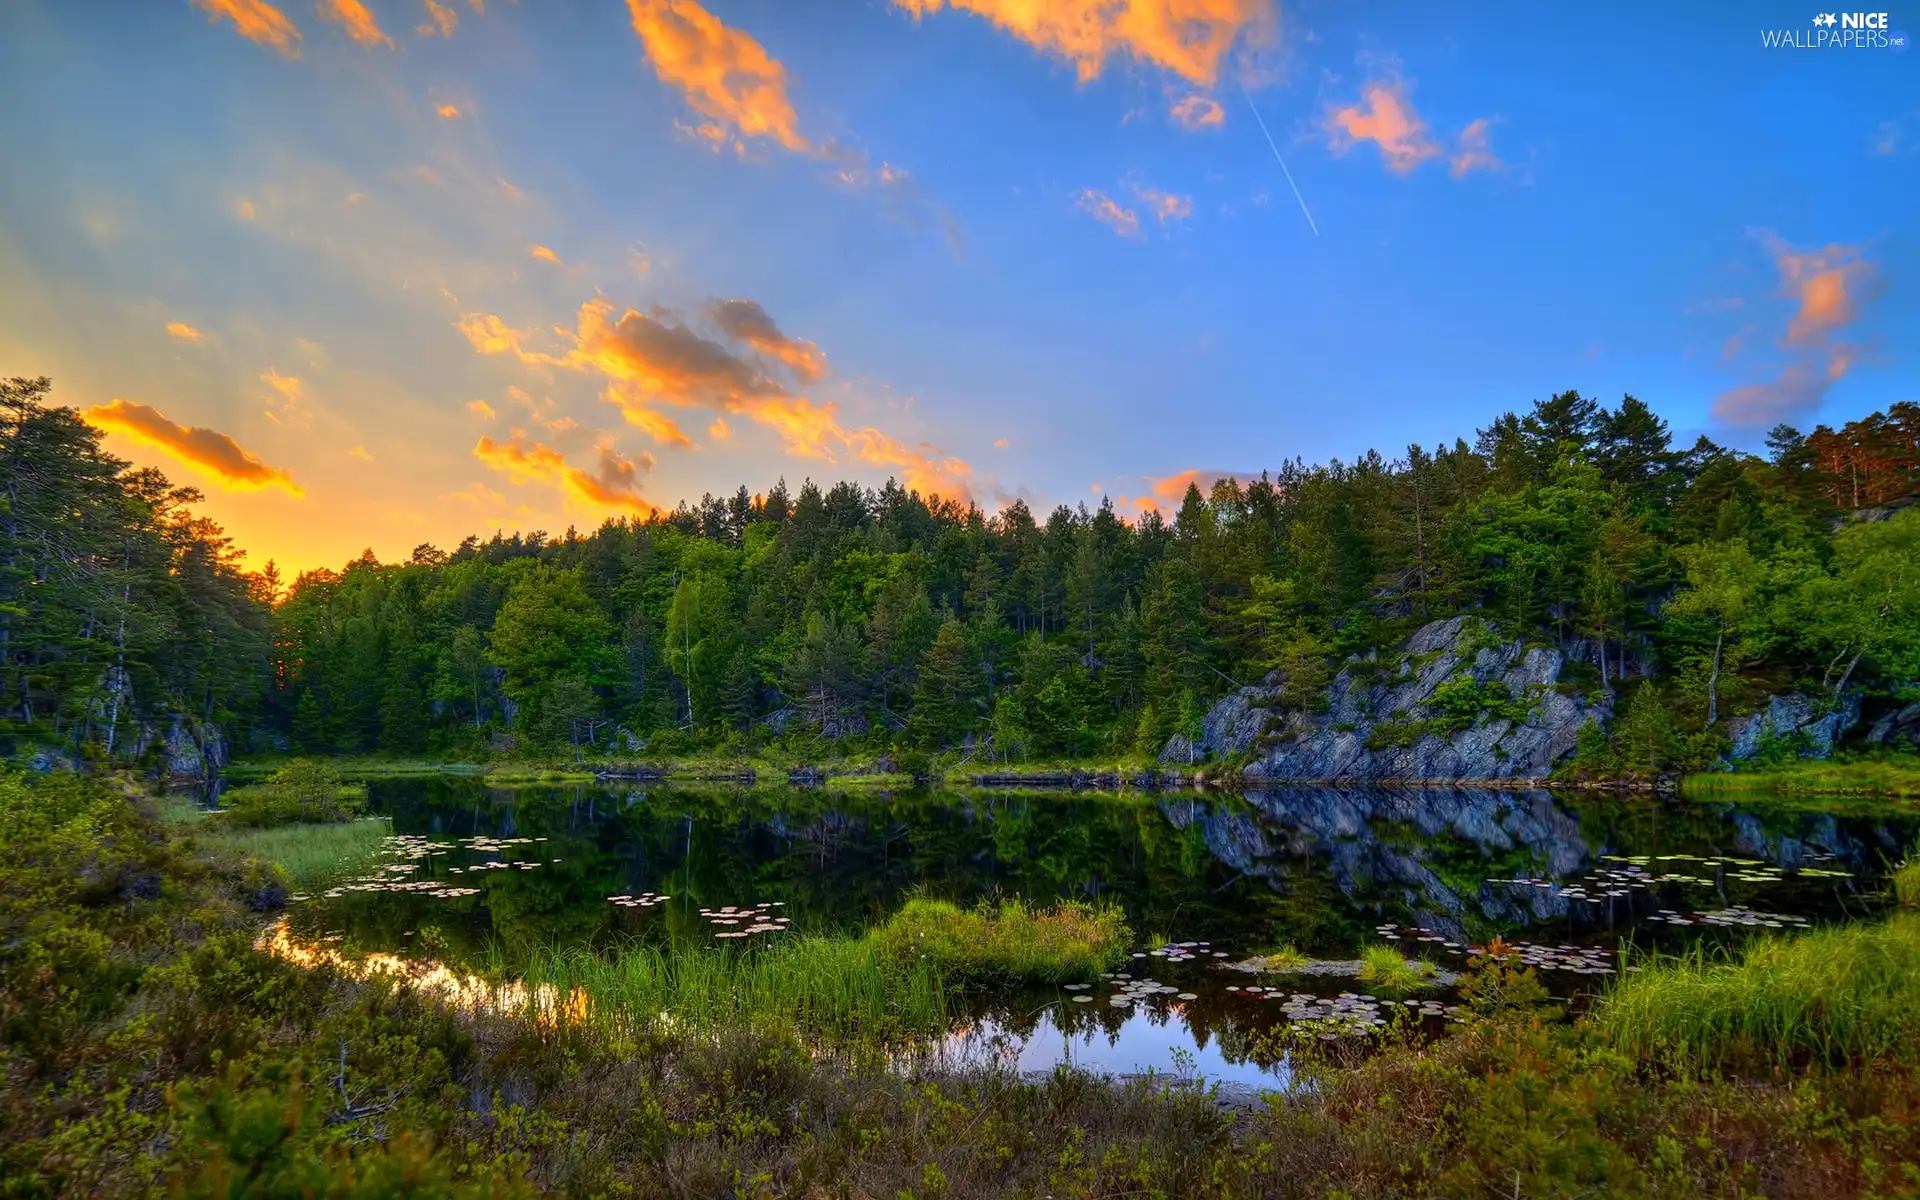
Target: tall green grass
column 1836, row 995
column 1906, row 880
column 1006, row 941
column 310, row 854
column 815, row 985
column 1897, row 776
column 1388, row 970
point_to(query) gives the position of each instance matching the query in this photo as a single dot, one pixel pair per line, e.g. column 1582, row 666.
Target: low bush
column 304, row 792
column 1006, row 941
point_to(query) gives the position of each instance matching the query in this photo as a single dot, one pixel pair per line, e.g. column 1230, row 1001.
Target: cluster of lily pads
column 734, row 922
column 1176, row 952
column 1127, row 990
column 1736, row 915
column 1577, row 960
column 1417, row 934
column 643, row 900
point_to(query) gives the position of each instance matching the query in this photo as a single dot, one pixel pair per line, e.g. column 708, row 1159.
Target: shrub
column 1387, row 969
column 1007, row 941
column 302, row 792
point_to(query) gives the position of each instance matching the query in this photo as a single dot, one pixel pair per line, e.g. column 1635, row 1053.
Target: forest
column 1704, row 577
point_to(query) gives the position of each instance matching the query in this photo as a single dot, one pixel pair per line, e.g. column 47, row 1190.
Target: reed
column 310, row 854
column 1850, row 993
column 1387, row 970
column 1905, row 880
column 818, row 985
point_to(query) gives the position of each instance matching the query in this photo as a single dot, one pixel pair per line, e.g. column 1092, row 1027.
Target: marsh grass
column 1386, row 969
column 1905, row 880
column 1008, row 941
column 310, row 854
column 1897, row 776
column 1283, row 959
column 1850, row 993
column 816, row 985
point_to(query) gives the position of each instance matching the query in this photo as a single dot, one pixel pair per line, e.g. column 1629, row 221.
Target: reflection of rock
column 1380, row 723
column 1812, row 728
column 1343, row 828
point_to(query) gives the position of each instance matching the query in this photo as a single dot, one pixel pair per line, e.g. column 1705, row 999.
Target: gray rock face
column 1366, row 704
column 193, row 752
column 1902, row 725
column 1794, row 715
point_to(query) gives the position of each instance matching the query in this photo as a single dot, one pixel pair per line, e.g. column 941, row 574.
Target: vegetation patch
column 1841, row 995
column 1385, row 968
column 304, row 792
column 1006, row 941
column 1895, row 775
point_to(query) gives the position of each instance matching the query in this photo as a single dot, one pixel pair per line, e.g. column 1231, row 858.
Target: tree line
column 1702, row 577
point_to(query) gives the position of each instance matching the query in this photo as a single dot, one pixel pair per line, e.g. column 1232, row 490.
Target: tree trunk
column 1840, row 687
column 1713, row 681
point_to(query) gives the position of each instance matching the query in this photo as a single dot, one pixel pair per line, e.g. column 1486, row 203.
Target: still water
column 1205, row 881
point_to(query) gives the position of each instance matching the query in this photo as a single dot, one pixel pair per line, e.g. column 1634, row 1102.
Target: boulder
column 1793, row 715
column 1901, row 725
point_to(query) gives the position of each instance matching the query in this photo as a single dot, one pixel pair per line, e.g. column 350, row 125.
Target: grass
column 1906, row 880
column 1387, row 970
column 1897, row 775
column 1283, row 959
column 309, row 854
column 1836, row 995
column 823, row 986
column 1008, row 941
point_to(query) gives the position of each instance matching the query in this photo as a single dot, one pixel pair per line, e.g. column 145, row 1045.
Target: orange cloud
column 1197, row 112
column 1166, row 492
column 725, row 75
column 359, row 452
column 448, row 112
column 353, row 16
column 481, row 409
column 999, row 443
column 288, row 386
column 1829, row 288
column 1165, row 206
column 246, row 210
column 206, row 450
column 541, row 252
column 655, row 424
column 1386, row 118
column 441, row 20
column 1103, row 209
column 184, row 331
column 257, row 21
column 651, row 357
column 614, row 485
column 745, row 321
column 1188, row 38
column 1475, row 150
column 719, row 431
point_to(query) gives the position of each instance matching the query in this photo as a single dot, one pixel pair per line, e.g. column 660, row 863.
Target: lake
column 1206, row 879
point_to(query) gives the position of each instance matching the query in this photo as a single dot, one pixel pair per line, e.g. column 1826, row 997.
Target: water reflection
column 1323, row 870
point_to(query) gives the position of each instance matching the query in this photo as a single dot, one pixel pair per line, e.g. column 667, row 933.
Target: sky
column 373, row 273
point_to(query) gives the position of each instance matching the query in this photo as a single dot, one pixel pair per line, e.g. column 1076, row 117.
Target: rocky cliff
column 1454, row 703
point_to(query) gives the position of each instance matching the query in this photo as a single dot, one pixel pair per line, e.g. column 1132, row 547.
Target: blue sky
column 978, row 254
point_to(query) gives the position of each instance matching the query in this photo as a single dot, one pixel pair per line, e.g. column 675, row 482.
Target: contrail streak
column 1281, row 161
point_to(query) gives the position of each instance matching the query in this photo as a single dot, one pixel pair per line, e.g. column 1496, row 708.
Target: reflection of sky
column 1145, row 1041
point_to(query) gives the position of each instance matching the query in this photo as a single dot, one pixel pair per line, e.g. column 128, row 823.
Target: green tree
column 1723, row 585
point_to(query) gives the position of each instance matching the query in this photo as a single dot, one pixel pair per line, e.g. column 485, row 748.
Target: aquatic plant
column 1282, row 959
column 309, row 854
column 1009, row 940
column 814, row 985
column 1387, row 969
column 1846, row 993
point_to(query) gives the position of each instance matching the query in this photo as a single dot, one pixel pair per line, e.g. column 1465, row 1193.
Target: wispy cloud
column 1898, row 135
column 725, row 75
column 1385, row 117
column 1830, row 287
column 353, row 16
column 448, row 112
column 1165, row 206
column 1191, row 39
column 481, row 409
column 1106, row 210
column 257, row 21
column 440, row 20
column 745, row 321
column 1474, row 150
column 208, row 451
column 1195, row 112
column 614, row 484
column 184, row 331
column 652, row 358
column 544, row 255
